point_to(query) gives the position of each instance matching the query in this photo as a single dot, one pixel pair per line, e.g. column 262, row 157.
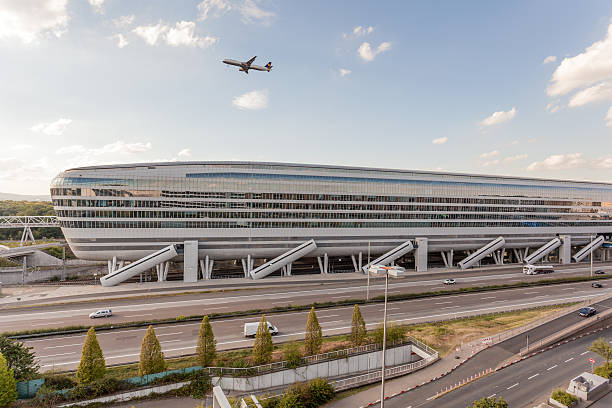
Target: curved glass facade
column 208, row 199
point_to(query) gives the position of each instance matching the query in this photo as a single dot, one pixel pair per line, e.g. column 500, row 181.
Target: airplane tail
column 269, row 66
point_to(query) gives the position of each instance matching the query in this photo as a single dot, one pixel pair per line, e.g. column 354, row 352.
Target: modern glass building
column 261, row 210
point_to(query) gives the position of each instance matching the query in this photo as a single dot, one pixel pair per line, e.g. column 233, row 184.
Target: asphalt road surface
column 138, row 309
column 521, row 384
column 491, row 358
column 123, row 345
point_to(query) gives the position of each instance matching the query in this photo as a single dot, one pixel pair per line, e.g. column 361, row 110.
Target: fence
column 359, row 380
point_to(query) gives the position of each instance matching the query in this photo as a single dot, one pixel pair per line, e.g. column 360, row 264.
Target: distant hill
column 24, row 197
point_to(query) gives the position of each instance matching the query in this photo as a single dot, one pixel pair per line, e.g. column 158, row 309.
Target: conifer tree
column 8, row 386
column 314, row 336
column 151, row 356
column 92, row 365
column 358, row 328
column 206, row 349
column 263, row 347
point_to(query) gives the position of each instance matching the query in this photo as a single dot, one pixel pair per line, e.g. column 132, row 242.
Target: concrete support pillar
column 444, row 258
column 286, row 270
column 323, row 263
column 355, row 263
column 114, row 264
column 565, row 250
column 450, row 256
column 360, row 261
column 110, row 266
column 518, row 255
column 190, row 261
column 420, row 255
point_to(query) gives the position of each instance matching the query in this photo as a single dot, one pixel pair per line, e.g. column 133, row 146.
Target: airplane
column 245, row 66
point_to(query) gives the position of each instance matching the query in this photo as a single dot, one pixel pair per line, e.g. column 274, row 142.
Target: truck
column 250, row 329
column 537, row 269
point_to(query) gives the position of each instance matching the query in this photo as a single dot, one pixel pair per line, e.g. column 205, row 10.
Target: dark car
column 597, row 285
column 587, row 311
column 600, row 272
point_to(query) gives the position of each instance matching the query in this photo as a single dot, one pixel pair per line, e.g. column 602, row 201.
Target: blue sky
column 399, row 84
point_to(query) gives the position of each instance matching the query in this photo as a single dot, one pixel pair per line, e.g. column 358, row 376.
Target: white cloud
column 29, row 20
column 359, row 31
column 558, row 162
column 367, row 54
column 248, row 9
column 184, row 153
column 489, row 154
column 183, row 33
column 344, row 72
column 552, row 107
column 21, row 147
column 117, row 147
column 151, row 34
column 440, row 140
column 490, row 163
column 592, row 65
column 596, row 93
column 609, row 117
column 56, row 128
column 252, row 100
column 121, row 40
column 517, row 157
column 498, row 117
column 549, row 59
column 97, row 5
column 603, row 163
column 123, row 21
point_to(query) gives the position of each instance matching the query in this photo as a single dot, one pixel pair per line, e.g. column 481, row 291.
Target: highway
column 523, row 383
column 123, row 345
column 171, row 306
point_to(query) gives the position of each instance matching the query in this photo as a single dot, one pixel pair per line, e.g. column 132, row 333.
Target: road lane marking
column 169, row 341
column 488, row 297
column 57, row 355
column 582, row 354
column 335, row 321
column 430, row 398
column 44, row 324
column 139, row 315
column 443, row 303
column 64, row 345
column 169, row 334
column 450, row 307
column 512, row 386
column 550, row 368
column 390, row 308
column 492, row 395
column 531, row 293
column 322, row 317
column 533, row 376
column 568, row 360
column 568, row 288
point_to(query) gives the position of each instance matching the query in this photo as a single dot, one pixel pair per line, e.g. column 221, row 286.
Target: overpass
column 27, row 222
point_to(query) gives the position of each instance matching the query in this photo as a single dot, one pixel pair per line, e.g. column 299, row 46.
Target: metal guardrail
column 359, row 380
column 332, row 355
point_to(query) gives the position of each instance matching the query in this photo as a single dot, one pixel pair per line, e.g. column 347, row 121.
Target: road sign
column 592, row 360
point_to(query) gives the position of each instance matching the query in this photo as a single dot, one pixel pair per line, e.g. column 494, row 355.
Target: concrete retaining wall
column 328, row 369
column 13, row 276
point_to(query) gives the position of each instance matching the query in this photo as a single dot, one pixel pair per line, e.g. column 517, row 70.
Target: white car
column 101, row 313
column 449, row 281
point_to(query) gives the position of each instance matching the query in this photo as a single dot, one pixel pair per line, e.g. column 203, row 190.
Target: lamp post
column 368, row 271
column 384, row 345
column 591, row 256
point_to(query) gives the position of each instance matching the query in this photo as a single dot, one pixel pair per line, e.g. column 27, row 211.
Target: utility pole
column 591, row 256
column 384, row 345
column 368, row 272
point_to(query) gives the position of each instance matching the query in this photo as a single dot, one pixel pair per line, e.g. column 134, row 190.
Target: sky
column 521, row 88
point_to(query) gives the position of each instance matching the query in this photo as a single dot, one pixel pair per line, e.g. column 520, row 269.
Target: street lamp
column 591, row 256
column 384, row 345
column 368, row 287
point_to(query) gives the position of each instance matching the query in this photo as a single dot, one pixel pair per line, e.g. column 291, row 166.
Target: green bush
column 48, row 397
column 320, row 391
column 395, row 333
column 564, row 397
column 604, row 371
column 290, row 401
column 292, row 354
column 59, row 382
column 200, row 384
column 98, row 388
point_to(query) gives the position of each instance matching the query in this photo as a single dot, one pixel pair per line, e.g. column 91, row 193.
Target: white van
column 101, row 313
column 250, row 329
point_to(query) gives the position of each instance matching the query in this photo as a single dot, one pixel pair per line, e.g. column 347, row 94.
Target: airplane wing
column 232, row 62
column 249, row 62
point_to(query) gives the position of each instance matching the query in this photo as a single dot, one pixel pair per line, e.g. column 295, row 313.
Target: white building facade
column 251, row 210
